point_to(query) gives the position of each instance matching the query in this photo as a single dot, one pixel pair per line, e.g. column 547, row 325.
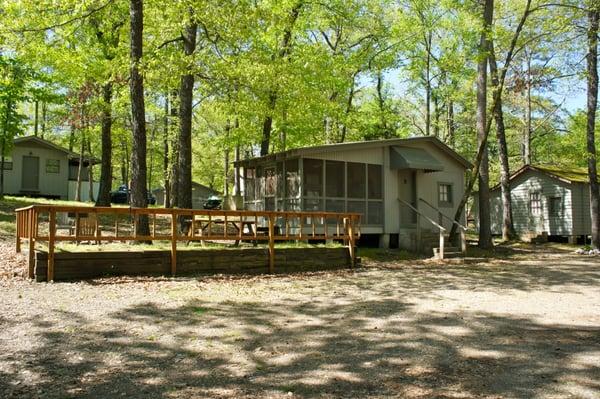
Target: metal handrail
column 443, row 215
column 442, row 228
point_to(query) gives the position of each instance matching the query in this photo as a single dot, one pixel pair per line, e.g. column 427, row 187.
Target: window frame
column 49, row 167
column 535, row 197
column 449, row 194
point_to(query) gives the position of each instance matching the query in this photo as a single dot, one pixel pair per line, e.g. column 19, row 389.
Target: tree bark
column 508, row 231
column 139, row 194
column 485, row 232
column 592, row 103
column 186, row 96
column 527, row 132
column 80, row 170
column 268, row 125
column 35, row 118
column 174, row 152
column 106, row 165
column 167, row 182
column 90, row 172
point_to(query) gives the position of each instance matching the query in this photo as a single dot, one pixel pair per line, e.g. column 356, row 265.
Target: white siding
column 51, row 184
column 581, row 209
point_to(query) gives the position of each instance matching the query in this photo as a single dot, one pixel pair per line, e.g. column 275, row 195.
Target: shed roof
column 567, row 175
column 304, row 151
column 48, row 144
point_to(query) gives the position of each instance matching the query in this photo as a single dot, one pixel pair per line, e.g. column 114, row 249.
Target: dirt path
column 513, row 329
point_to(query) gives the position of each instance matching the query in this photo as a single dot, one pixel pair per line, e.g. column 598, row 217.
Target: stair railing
column 441, row 228
column 441, row 216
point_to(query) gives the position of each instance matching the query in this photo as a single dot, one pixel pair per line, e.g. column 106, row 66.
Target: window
column 313, row 177
column 74, row 169
column 535, row 203
column 357, row 180
column 445, row 194
column 52, row 165
column 8, row 164
column 555, row 206
column 374, row 182
column 335, row 178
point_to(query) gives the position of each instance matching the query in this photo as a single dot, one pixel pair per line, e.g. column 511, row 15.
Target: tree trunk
column 139, row 194
column 508, row 231
column 72, row 138
column 106, row 165
column 174, row 152
column 167, row 182
column 592, row 103
column 485, row 232
column 90, row 172
column 186, row 96
column 3, row 149
column 450, row 128
column 236, row 171
column 44, row 113
column 80, row 170
column 496, row 93
column 268, row 125
column 428, row 85
column 35, row 118
column 527, row 132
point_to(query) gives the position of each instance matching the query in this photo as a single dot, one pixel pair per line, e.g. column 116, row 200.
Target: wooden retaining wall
column 87, row 265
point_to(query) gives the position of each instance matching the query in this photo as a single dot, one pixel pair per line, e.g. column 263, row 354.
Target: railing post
column 19, row 217
column 419, row 244
column 351, row 241
column 31, row 220
column 271, row 244
column 51, row 234
column 463, row 240
column 441, row 249
column 173, row 243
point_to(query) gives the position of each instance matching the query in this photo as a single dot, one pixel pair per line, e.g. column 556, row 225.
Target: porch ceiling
column 413, row 158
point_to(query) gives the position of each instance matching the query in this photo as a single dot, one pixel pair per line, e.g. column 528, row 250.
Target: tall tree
column 485, row 228
column 508, row 230
column 139, row 194
column 592, row 103
column 186, row 95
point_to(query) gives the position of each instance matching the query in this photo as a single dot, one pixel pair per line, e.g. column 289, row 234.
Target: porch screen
column 334, row 179
column 313, row 177
column 357, row 181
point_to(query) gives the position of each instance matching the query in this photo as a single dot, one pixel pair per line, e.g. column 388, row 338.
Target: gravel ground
column 523, row 327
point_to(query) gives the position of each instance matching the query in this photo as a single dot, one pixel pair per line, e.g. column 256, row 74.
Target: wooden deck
column 50, row 224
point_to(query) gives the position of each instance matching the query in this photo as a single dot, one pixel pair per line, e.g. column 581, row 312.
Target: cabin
column 200, row 193
column 399, row 186
column 547, row 201
column 39, row 168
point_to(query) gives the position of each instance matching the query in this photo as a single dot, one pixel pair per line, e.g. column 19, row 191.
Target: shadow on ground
column 334, row 344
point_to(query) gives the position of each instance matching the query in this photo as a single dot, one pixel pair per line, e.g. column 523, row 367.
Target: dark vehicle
column 121, row 196
column 212, row 203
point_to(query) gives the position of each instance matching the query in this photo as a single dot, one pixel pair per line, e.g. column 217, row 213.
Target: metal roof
column 567, row 175
column 304, row 151
column 51, row 145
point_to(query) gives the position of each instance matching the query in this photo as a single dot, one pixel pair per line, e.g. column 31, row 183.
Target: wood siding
column 571, row 215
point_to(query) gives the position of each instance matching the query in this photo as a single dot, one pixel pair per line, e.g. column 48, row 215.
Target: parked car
column 121, row 196
column 213, row 202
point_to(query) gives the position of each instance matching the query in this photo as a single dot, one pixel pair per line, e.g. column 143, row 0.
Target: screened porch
column 308, row 184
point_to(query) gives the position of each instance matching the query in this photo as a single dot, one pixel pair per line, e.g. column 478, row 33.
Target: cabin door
column 407, row 192
column 30, row 180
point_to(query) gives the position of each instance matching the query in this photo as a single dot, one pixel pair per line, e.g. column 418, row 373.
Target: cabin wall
column 50, row 184
column 527, row 222
column 582, row 218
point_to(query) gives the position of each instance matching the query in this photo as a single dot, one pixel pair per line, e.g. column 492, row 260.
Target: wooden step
column 449, row 252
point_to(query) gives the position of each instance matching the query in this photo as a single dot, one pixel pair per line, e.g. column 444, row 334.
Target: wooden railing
column 38, row 224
